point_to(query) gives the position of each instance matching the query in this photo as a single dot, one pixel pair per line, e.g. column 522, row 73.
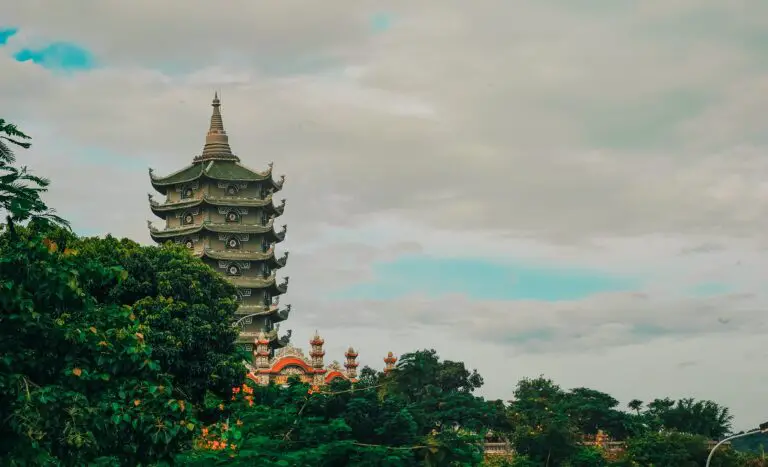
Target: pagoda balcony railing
column 271, row 335
column 255, row 309
column 238, row 252
column 224, row 199
column 268, row 224
column 152, row 201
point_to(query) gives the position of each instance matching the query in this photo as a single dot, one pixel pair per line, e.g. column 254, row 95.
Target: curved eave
column 246, row 174
column 268, row 230
column 268, row 283
column 244, row 255
column 276, row 185
column 162, row 236
column 235, row 201
column 161, row 209
column 278, row 210
column 278, row 263
column 161, row 184
column 209, row 169
column 280, row 342
column 276, row 313
column 281, row 315
column 239, row 255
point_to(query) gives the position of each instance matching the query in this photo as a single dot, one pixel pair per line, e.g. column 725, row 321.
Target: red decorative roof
column 333, row 375
column 290, row 361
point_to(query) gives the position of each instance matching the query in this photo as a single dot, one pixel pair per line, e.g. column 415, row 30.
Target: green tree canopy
column 699, row 417
column 675, row 449
column 78, row 385
column 543, row 431
column 592, row 410
column 20, row 190
column 187, row 306
column 381, row 421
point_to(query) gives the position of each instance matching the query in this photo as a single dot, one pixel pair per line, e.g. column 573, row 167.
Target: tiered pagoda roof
column 173, row 232
column 216, row 184
column 213, row 169
column 161, row 209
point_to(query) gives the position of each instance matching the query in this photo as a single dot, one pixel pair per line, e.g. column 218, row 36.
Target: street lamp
column 762, row 429
column 237, row 323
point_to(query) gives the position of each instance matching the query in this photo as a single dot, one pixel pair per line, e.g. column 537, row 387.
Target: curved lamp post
column 763, row 429
column 237, row 323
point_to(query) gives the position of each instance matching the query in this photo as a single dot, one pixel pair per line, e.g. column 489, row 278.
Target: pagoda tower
column 224, row 213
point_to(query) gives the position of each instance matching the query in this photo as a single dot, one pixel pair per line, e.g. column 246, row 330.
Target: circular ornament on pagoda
column 189, row 244
column 233, row 270
column 187, row 193
column 188, row 219
column 232, row 243
column 232, row 216
column 232, row 190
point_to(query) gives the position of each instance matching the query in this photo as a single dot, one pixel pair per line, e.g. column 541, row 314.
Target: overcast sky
column 571, row 188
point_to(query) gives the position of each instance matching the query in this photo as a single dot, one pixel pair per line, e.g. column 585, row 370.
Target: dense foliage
column 187, row 307
column 20, row 190
column 112, row 353
column 78, row 384
column 379, row 421
column 77, row 380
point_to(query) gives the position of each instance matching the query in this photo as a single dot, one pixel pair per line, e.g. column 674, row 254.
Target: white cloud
column 624, row 137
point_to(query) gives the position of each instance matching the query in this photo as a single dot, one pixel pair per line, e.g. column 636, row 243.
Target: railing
column 497, row 449
column 611, row 447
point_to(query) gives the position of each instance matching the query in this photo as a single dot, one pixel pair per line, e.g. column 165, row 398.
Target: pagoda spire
column 216, row 140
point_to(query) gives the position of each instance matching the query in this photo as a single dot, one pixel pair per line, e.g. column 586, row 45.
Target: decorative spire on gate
column 316, row 358
column 262, row 350
column 390, row 361
column 317, row 352
column 351, row 364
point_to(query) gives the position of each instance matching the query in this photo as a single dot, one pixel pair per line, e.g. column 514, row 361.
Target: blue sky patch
column 6, row 34
column 648, row 330
column 381, row 22
column 483, row 280
column 95, row 156
column 533, row 335
column 62, row 56
column 708, row 289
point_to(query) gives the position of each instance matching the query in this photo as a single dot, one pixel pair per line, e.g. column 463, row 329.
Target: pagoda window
column 267, row 298
column 232, row 190
column 265, row 269
column 187, row 192
column 233, row 243
column 187, row 219
column 233, row 269
column 264, row 244
column 232, row 217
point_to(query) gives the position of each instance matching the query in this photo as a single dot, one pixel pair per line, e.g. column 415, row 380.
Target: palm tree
column 636, row 405
column 20, row 190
